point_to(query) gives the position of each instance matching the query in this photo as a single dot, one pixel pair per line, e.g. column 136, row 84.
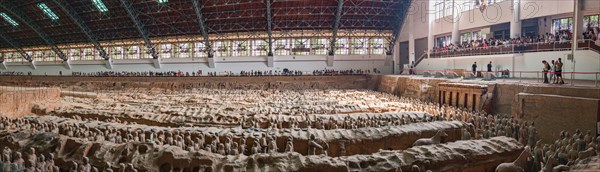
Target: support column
column 211, row 62
column 108, row 63
column 455, row 24
column 67, row 64
column 396, row 57
column 156, row 63
column 430, row 38
column 515, row 23
column 578, row 22
column 3, row 65
column 411, row 40
column 330, row 59
column 32, row 65
column 270, row 61
column 443, row 100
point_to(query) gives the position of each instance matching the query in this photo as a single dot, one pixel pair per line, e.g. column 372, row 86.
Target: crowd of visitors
column 345, row 72
column 147, row 73
column 592, row 34
column 284, row 72
column 561, row 37
column 12, row 73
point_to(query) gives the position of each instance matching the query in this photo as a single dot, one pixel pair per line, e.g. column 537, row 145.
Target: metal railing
column 592, row 78
column 420, row 58
column 517, row 48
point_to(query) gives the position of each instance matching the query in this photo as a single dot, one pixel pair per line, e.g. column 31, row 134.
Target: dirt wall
column 553, row 113
column 505, row 94
column 178, row 83
column 419, row 88
column 18, row 101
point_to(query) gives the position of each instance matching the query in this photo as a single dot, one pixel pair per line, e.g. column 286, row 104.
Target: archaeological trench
column 294, row 123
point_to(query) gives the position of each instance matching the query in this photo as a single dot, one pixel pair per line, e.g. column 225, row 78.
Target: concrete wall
column 416, row 21
column 234, row 64
column 586, row 61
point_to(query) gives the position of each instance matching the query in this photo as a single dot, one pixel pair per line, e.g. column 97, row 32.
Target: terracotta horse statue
column 552, row 165
column 518, row 165
column 433, row 140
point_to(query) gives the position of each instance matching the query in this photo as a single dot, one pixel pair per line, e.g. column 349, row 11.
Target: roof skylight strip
column 100, row 5
column 48, row 11
column 9, row 20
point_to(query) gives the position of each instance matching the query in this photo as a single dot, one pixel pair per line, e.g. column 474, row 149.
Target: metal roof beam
column 134, row 16
column 398, row 26
column 336, row 26
column 202, row 27
column 269, row 29
column 16, row 46
column 12, row 10
column 63, row 5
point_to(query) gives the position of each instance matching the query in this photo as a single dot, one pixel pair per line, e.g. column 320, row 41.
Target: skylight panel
column 47, row 11
column 162, row 1
column 9, row 20
column 100, row 5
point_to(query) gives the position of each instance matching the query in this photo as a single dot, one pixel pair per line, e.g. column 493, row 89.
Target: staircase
column 420, row 59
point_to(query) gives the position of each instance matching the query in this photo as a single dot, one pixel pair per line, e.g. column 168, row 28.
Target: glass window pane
column 222, row 48
column 165, row 50
column 116, row 53
column 341, row 46
column 259, row 47
column 199, row 50
column 359, row 45
column 281, row 47
column 88, row 54
column 183, row 50
column 133, row 52
column 300, row 46
column 39, row 56
column 240, row 48
column 377, row 46
column 319, row 46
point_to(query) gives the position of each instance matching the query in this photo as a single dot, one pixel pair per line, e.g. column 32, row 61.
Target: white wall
column 495, row 14
column 586, row 61
column 234, row 64
column 416, row 21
